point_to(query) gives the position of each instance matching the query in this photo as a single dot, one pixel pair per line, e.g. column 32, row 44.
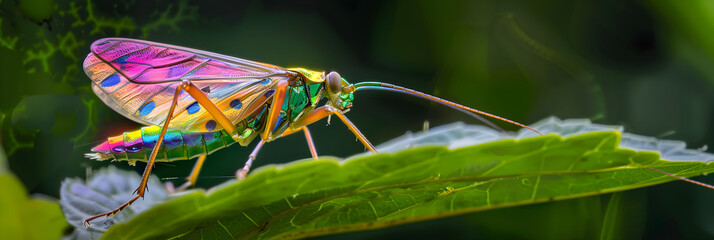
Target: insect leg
column 191, row 179
column 271, row 120
column 196, row 169
column 211, row 108
column 149, row 164
column 308, row 137
column 275, row 108
column 324, row 111
column 310, row 143
column 354, row 130
column 218, row 115
column 240, row 174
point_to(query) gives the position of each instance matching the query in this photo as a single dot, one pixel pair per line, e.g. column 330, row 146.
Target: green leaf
column 310, row 198
column 611, row 216
column 21, row 216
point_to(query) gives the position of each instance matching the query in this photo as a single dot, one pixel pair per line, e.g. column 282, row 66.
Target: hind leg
column 190, row 180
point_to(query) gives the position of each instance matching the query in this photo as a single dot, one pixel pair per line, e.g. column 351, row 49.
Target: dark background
column 646, row 65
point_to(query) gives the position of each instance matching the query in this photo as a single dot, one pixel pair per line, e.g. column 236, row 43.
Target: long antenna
column 470, row 111
column 682, row 178
column 474, row 115
column 462, row 108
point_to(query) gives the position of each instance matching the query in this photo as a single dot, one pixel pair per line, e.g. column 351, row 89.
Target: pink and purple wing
column 138, row 79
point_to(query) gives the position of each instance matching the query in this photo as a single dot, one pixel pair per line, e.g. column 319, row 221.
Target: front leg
column 325, row 111
column 308, row 137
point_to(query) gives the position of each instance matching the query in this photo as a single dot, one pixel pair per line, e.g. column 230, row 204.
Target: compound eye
column 334, row 82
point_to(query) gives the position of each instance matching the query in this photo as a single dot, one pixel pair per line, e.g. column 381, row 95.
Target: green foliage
column 38, row 11
column 309, row 198
column 689, row 22
column 49, row 57
column 47, row 101
column 7, row 41
column 20, row 215
column 611, row 217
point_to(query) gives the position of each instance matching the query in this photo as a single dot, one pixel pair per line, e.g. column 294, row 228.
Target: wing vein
column 151, row 97
column 158, row 67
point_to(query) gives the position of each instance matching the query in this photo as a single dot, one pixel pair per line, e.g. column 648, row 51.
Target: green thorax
column 300, row 98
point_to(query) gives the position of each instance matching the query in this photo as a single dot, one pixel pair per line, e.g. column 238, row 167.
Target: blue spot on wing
column 110, row 81
column 269, row 93
column 236, row 104
column 147, row 108
column 210, row 125
column 122, row 59
column 265, row 81
column 193, row 108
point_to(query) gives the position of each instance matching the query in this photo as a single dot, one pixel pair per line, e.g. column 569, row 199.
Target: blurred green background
column 646, row 65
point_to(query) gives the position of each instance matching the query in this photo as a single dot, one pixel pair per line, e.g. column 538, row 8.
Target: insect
column 196, row 102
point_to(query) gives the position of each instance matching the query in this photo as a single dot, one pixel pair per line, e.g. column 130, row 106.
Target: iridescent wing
column 138, row 80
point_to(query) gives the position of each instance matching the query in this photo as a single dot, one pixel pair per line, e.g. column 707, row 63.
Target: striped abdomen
column 178, row 145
